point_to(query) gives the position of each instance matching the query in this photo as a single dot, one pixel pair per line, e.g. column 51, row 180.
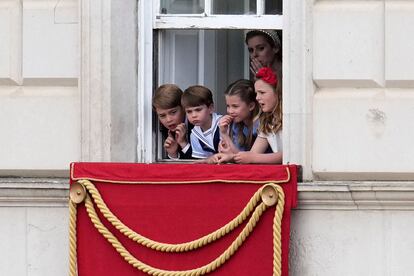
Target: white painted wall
column 364, row 96
column 39, row 97
column 351, row 242
column 34, row 227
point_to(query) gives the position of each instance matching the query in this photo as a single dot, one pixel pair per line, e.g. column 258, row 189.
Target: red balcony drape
column 176, row 203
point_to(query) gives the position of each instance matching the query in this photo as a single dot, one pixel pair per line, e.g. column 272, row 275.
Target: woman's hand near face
column 255, row 65
column 171, row 145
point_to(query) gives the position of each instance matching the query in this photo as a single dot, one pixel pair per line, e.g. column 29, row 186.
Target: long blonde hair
column 271, row 122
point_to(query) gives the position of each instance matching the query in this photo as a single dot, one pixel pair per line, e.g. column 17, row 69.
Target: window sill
column 356, row 195
column 34, row 192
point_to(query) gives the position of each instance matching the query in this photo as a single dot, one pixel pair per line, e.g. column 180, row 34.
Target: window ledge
column 318, row 195
column 34, row 192
column 357, row 195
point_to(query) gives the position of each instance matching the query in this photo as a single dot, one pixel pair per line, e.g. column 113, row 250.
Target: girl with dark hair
column 238, row 129
column 269, row 96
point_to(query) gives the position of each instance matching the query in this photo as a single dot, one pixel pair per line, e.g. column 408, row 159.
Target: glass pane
column 233, row 6
column 273, row 7
column 214, row 58
column 182, row 6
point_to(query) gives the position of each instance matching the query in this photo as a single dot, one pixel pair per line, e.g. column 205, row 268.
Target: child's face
column 265, row 95
column 239, row 110
column 170, row 118
column 200, row 115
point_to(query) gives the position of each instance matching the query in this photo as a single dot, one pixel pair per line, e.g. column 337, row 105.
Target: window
column 197, row 42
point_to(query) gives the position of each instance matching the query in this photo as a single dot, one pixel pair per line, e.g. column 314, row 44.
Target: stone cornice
column 357, row 195
column 34, row 192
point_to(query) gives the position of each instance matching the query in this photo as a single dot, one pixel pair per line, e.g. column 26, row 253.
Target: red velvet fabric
column 172, row 203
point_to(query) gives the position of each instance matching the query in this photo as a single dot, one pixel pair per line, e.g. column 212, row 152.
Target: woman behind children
column 238, row 129
column 265, row 50
column 269, row 95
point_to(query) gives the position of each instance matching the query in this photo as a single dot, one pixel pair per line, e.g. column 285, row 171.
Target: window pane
column 234, row 7
column 273, row 7
column 214, row 58
column 182, row 6
column 245, row 7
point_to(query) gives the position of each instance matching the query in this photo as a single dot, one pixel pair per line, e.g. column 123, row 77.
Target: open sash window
column 195, row 42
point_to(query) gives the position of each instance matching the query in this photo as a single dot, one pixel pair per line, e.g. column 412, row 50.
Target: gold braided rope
column 198, row 271
column 72, row 239
column 166, row 247
column 277, row 232
column 159, row 272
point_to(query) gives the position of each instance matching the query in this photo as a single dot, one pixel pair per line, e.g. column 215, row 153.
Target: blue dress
column 235, row 132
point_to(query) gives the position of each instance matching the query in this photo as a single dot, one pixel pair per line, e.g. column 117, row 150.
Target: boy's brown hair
column 196, row 95
column 167, row 96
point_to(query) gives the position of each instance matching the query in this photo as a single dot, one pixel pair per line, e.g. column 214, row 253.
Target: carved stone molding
column 34, row 192
column 49, row 192
column 357, row 195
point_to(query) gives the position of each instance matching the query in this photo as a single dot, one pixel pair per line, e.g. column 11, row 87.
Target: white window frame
column 297, row 78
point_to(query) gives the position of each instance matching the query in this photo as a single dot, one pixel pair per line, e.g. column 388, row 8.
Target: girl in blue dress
column 238, row 129
column 268, row 89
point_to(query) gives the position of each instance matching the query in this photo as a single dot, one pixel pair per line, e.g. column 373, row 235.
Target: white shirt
column 274, row 140
column 206, row 137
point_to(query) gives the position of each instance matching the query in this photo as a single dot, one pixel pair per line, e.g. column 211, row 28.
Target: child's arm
column 181, row 135
column 226, row 145
column 257, row 155
column 171, row 146
column 248, row 157
column 181, row 138
column 209, row 160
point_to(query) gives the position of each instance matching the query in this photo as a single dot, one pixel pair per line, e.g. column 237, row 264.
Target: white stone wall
column 39, row 97
column 34, row 241
column 356, row 242
column 34, row 227
column 364, row 96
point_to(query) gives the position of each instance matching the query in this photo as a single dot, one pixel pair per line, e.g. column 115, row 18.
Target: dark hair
column 272, row 37
column 167, row 96
column 245, row 90
column 196, row 95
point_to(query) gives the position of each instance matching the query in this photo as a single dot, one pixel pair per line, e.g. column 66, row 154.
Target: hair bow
column 266, row 74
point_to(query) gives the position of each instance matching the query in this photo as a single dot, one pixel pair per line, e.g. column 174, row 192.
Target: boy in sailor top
column 198, row 103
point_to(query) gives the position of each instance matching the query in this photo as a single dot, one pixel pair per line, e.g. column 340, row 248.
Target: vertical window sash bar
column 207, row 7
column 156, row 9
column 201, row 61
column 260, row 7
column 246, row 5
